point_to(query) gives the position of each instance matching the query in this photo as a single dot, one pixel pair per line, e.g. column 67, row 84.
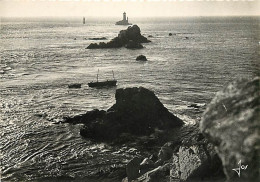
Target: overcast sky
column 88, row 8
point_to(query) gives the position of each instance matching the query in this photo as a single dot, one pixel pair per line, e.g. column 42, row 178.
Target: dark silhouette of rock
column 150, row 36
column 231, row 123
column 98, row 38
column 86, row 118
column 137, row 111
column 93, row 46
column 146, row 165
column 165, row 152
column 159, row 174
column 132, row 33
column 133, row 45
column 141, row 58
column 187, row 157
column 133, row 168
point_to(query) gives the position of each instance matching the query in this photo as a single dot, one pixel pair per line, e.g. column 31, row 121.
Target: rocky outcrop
column 188, row 156
column 195, row 162
column 137, row 111
column 141, row 58
column 133, row 45
column 86, row 118
column 231, row 123
column 161, row 173
column 98, row 38
column 129, row 38
column 133, row 168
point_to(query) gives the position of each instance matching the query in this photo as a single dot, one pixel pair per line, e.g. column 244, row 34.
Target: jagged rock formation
column 137, row 111
column 187, row 157
column 231, row 123
column 129, row 38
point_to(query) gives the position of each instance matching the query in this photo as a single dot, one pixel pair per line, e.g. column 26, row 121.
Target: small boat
column 75, row 85
column 108, row 83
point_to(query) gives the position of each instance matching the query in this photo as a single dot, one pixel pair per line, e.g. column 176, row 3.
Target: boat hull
column 75, row 85
column 109, row 83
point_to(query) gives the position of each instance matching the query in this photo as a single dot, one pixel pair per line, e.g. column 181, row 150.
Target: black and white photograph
column 129, row 90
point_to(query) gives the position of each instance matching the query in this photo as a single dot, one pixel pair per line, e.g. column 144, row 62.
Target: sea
column 40, row 57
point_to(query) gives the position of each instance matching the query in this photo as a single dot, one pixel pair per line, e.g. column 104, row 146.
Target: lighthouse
column 124, row 16
column 124, row 21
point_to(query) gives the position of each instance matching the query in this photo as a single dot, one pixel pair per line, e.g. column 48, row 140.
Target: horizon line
column 130, row 17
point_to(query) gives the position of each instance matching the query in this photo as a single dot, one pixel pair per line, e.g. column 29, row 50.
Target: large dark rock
column 133, row 33
column 193, row 157
column 86, row 118
column 133, row 168
column 196, row 162
column 133, row 45
column 231, row 123
column 130, row 38
column 187, row 157
column 137, row 111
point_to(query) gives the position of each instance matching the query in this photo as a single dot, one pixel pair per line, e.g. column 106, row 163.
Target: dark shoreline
column 188, row 153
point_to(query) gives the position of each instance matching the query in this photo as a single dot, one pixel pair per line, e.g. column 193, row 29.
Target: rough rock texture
column 195, row 162
column 146, row 165
column 231, row 123
column 130, row 38
column 159, row 174
column 137, row 111
column 133, row 168
column 189, row 156
column 141, row 58
column 165, row 152
column 133, row 45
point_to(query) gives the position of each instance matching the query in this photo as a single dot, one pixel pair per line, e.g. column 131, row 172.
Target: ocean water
column 40, row 57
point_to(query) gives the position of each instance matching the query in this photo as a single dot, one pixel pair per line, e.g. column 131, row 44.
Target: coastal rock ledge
column 137, row 111
column 231, row 123
column 130, row 38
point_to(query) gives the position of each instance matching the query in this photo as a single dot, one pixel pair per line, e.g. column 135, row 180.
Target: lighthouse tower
column 124, row 21
column 124, row 16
